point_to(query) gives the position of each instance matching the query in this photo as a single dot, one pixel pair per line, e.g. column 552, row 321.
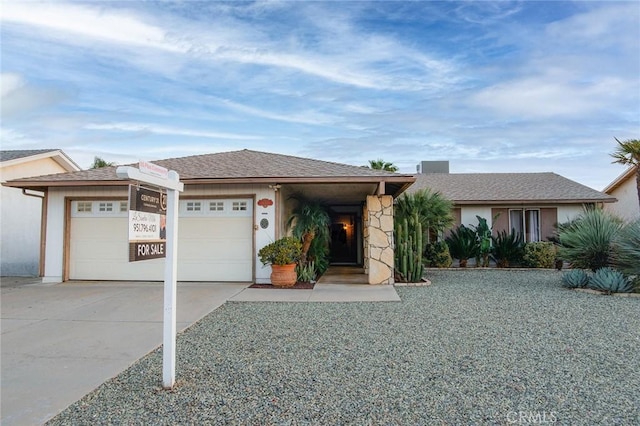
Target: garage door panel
column 209, row 249
column 215, row 228
column 197, row 249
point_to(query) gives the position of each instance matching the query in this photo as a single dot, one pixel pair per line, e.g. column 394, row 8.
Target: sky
column 527, row 86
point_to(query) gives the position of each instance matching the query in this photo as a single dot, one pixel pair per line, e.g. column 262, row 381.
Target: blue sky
column 491, row 86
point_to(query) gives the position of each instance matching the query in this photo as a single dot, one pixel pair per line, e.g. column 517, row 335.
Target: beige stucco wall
column 627, row 206
column 20, row 219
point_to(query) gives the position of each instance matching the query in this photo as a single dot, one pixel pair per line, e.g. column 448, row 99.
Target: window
column 194, row 206
column 123, row 206
column 84, row 206
column 526, row 222
column 105, row 207
column 216, row 206
column 239, row 206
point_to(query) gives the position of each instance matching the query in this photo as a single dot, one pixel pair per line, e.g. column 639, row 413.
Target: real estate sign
column 147, row 223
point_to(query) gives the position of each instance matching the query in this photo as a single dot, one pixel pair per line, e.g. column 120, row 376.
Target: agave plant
column 575, row 278
column 463, row 244
column 507, row 248
column 610, row 281
column 586, row 241
column 306, row 273
column 626, row 256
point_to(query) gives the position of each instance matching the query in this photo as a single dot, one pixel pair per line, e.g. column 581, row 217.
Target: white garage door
column 215, row 242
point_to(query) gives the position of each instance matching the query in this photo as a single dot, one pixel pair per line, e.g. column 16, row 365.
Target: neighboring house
column 531, row 203
column 21, row 211
column 234, row 203
column 625, row 189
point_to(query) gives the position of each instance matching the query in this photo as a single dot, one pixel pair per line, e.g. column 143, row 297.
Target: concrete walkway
column 321, row 293
column 337, row 284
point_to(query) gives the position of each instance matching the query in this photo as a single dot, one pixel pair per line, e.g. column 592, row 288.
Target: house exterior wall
column 21, row 218
column 569, row 212
column 57, row 223
column 627, row 206
column 468, row 215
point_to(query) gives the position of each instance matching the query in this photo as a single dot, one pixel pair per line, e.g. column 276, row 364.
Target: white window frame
column 227, row 207
column 96, row 205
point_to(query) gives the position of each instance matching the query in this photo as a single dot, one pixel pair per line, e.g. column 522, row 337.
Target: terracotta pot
column 283, row 275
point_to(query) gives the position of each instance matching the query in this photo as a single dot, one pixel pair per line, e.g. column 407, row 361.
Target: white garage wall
column 56, row 212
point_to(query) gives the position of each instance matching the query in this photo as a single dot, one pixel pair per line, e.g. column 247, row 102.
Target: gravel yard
column 476, row 347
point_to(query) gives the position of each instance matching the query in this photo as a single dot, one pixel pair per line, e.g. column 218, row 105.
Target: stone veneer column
column 378, row 239
column 365, row 238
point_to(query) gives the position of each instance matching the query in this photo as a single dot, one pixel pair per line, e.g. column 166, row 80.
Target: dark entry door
column 344, row 246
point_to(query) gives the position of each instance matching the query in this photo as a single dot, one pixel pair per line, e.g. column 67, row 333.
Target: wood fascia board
column 402, row 189
column 24, row 183
column 531, row 202
column 620, row 180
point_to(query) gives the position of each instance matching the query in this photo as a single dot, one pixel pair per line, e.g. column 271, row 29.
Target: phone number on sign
column 144, row 227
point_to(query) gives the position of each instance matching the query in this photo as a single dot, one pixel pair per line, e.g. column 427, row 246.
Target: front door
column 344, row 238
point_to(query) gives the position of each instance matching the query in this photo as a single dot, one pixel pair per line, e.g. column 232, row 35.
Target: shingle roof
column 493, row 188
column 244, row 164
column 8, row 155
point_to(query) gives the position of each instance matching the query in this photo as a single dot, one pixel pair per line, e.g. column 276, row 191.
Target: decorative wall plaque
column 265, row 202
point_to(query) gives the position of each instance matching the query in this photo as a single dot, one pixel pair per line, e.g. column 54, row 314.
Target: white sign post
column 173, row 186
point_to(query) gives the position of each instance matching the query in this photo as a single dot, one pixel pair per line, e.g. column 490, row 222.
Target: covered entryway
column 215, row 242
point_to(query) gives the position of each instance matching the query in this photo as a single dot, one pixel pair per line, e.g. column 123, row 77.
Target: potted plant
column 282, row 255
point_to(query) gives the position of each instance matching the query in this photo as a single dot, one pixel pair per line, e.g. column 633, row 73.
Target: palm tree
column 628, row 154
column 433, row 209
column 380, row 164
column 99, row 162
column 308, row 221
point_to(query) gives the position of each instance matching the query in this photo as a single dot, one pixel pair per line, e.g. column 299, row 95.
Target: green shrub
column 437, row 255
column 507, row 248
column 540, row 254
column 610, row 281
column 463, row 244
column 575, row 278
column 284, row 251
column 586, row 241
column 626, row 245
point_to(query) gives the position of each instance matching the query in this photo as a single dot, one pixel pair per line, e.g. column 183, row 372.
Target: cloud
column 549, row 96
column 92, row 22
column 346, row 56
column 168, row 130
column 304, row 117
column 18, row 98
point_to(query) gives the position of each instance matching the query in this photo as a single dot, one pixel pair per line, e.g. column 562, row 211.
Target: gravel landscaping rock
column 476, row 347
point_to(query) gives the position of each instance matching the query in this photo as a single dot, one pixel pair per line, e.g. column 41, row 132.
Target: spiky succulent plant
column 575, row 278
column 610, row 281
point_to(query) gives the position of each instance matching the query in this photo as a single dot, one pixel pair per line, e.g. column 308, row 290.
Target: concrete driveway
column 61, row 341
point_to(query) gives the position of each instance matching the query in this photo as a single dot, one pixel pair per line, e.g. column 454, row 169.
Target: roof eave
column 535, row 202
column 620, row 180
column 407, row 180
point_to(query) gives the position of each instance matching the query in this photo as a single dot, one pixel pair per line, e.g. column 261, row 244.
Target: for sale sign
column 147, row 223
